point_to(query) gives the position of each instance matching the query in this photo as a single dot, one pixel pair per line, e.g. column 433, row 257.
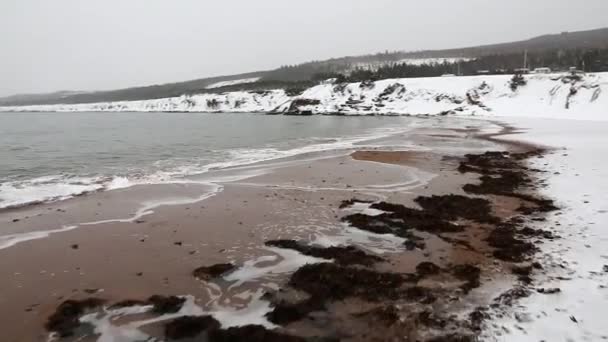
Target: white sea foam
column 60, row 187
column 363, row 208
column 263, row 268
column 104, row 323
column 281, row 261
column 374, row 243
column 10, row 240
column 118, row 183
column 148, row 207
column 47, row 188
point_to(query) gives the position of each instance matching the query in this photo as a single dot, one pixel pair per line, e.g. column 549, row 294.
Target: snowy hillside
column 553, row 95
column 233, row 82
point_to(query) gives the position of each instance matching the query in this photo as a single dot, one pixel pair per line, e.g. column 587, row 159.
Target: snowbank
column 549, row 95
column 233, row 82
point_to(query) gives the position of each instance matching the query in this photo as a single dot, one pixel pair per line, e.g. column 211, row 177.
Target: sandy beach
column 365, row 244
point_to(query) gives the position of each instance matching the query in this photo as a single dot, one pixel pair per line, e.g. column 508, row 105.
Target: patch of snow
column 233, row 82
column 577, row 262
column 433, row 61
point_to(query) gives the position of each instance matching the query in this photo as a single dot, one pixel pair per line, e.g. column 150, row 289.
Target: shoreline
column 55, row 188
column 297, row 202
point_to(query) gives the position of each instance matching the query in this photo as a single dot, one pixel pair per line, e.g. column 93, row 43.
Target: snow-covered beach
column 575, row 265
column 559, row 95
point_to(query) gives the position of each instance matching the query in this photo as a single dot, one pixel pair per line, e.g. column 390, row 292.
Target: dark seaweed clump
column 347, row 255
column 190, row 326
column 285, row 312
column 413, row 241
column 470, row 274
column 436, row 216
column 510, row 296
column 452, row 207
column 453, row 338
column 127, row 303
column 503, row 174
column 160, row 304
column 163, row 304
column 386, row 314
column 523, row 273
column 65, row 319
column 257, row 333
column 482, row 163
column 399, row 219
column 511, row 242
column 327, row 282
column 427, row 268
column 508, row 246
column 477, row 316
column 334, row 282
column 210, row 272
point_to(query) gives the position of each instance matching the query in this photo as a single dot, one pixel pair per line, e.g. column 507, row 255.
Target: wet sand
column 134, row 255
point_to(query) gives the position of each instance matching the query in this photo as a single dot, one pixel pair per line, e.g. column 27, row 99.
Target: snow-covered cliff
column 552, row 95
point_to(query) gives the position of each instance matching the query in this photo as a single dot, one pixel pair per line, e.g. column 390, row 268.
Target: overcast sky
column 85, row 45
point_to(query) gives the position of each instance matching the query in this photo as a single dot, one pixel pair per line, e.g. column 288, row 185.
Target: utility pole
column 525, row 58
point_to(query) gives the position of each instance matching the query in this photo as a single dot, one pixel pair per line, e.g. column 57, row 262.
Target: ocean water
column 53, row 156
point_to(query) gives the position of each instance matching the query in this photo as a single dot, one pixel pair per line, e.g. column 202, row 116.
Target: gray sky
column 85, row 45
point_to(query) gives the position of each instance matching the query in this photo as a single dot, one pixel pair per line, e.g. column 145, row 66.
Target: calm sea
column 50, row 156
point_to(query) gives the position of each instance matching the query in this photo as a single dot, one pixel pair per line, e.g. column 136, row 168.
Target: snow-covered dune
column 550, row 95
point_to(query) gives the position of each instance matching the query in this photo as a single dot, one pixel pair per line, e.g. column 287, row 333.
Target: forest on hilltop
column 585, row 50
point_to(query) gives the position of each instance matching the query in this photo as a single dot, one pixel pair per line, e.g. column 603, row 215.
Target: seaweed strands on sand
column 395, row 303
